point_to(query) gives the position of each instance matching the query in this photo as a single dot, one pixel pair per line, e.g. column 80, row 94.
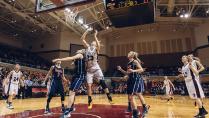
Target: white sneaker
column 68, row 115
column 10, row 107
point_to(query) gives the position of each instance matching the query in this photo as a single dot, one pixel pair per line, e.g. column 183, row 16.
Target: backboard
column 48, row 5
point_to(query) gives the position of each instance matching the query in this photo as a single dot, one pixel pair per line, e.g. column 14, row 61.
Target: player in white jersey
column 13, row 80
column 93, row 68
column 191, row 77
column 197, row 64
column 169, row 88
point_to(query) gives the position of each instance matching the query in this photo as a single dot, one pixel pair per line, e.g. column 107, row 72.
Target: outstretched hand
column 55, row 60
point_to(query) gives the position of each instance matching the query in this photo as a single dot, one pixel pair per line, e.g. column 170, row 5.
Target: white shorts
column 94, row 74
column 169, row 91
column 13, row 89
column 194, row 88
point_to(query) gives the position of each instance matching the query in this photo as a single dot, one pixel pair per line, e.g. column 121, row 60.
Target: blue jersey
column 57, row 73
column 80, row 66
column 133, row 66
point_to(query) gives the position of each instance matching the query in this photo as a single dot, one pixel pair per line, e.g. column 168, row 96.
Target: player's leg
column 89, row 87
column 62, row 94
column 75, row 85
column 99, row 75
column 139, row 89
column 200, row 95
column 129, row 109
column 51, row 92
column 13, row 91
column 135, row 112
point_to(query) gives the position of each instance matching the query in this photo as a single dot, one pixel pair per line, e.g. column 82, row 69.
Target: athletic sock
column 129, row 106
column 109, row 96
column 89, row 99
column 144, row 105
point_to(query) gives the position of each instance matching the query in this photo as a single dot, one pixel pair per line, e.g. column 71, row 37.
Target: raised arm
column 77, row 56
column 83, row 38
column 97, row 41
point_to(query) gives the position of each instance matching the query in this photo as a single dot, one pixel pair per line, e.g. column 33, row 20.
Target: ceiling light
column 186, row 15
column 181, row 15
column 80, row 20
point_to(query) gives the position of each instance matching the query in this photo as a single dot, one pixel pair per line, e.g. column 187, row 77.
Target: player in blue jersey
column 56, row 85
column 135, row 83
column 78, row 77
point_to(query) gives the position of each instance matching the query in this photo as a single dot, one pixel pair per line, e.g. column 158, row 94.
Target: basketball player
column 56, row 86
column 12, row 81
column 78, row 78
column 191, row 77
column 93, row 68
column 169, row 87
column 197, row 64
column 135, row 83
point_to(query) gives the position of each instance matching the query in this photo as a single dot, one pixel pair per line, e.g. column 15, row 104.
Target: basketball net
column 70, row 15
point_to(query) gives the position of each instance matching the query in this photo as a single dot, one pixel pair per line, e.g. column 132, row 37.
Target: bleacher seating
column 14, row 55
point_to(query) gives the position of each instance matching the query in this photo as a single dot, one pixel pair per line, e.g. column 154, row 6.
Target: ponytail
column 136, row 57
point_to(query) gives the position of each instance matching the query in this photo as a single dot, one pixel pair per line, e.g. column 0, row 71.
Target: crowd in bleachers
column 14, row 55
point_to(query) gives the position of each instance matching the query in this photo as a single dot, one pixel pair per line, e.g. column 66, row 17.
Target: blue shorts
column 56, row 87
column 77, row 81
column 135, row 85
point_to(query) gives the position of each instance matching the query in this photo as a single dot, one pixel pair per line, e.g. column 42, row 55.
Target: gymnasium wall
column 151, row 42
column 201, row 36
column 45, row 44
column 9, row 40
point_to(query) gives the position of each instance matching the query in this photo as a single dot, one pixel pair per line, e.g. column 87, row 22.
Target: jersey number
column 15, row 79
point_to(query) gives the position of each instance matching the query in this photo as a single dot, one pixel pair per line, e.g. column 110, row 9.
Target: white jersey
column 168, row 88
column 192, row 83
column 15, row 77
column 93, row 68
column 186, row 71
column 167, row 83
column 91, row 57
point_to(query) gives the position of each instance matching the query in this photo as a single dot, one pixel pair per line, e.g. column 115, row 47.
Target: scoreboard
column 114, row 4
column 126, row 13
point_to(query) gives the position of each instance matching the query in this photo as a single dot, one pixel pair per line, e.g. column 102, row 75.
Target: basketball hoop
column 70, row 14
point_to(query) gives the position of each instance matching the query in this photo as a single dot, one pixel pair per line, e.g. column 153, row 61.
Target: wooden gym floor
column 181, row 107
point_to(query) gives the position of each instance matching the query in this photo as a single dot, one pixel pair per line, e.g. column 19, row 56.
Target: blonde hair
column 135, row 56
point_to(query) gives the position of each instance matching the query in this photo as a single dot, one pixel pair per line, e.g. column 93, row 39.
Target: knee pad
column 103, row 84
